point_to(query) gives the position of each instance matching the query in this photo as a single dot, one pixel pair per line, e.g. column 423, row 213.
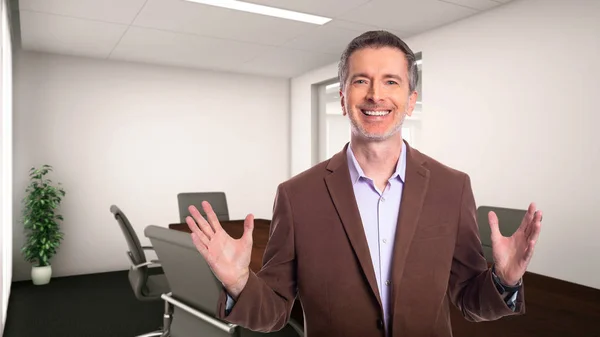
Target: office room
column 142, row 109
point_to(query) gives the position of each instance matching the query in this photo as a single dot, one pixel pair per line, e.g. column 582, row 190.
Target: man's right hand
column 228, row 258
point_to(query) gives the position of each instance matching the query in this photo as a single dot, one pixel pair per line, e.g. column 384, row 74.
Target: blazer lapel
column 342, row 194
column 413, row 196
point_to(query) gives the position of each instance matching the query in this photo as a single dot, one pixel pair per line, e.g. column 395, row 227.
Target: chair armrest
column 137, row 266
column 296, row 326
column 227, row 327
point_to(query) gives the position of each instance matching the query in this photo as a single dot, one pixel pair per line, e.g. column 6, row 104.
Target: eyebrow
column 385, row 76
column 394, row 77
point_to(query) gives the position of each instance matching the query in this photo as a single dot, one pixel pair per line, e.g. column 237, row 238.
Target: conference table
column 553, row 307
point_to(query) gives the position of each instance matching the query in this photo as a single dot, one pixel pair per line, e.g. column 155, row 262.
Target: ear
column 412, row 101
column 342, row 103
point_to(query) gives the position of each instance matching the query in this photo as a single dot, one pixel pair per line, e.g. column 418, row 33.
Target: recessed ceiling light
column 265, row 10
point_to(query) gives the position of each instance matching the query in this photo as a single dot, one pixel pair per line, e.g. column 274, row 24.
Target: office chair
column 217, row 200
column 509, row 221
column 195, row 290
column 146, row 287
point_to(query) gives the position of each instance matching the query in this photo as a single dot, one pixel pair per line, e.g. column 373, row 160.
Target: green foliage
column 40, row 219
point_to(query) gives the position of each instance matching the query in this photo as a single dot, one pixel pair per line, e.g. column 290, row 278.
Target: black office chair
column 148, row 284
column 217, row 200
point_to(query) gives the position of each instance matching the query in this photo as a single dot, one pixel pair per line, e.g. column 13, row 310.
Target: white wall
column 510, row 98
column 136, row 135
column 6, row 155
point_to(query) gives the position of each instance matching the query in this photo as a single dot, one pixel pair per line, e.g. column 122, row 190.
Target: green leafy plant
column 40, row 219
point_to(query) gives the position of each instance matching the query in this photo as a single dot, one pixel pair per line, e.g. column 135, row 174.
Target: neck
column 378, row 160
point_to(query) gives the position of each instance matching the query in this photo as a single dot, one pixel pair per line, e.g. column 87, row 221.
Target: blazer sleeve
column 471, row 287
column 265, row 303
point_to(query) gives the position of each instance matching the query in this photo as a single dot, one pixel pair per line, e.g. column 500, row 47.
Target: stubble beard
column 359, row 130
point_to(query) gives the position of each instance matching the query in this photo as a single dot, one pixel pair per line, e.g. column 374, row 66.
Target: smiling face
column 376, row 95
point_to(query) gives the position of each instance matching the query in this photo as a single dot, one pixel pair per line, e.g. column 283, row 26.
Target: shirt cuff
column 509, row 294
column 229, row 304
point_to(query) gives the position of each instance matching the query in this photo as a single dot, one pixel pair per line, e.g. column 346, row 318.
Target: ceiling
column 182, row 33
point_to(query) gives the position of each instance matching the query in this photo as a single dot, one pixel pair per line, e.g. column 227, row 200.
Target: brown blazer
column 318, row 252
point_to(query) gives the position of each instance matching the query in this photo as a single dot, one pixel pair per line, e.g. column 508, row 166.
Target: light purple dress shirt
column 379, row 213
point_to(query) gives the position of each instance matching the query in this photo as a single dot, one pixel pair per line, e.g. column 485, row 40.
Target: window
column 334, row 128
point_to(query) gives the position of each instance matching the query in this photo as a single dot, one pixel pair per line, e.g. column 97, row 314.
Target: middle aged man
column 379, row 239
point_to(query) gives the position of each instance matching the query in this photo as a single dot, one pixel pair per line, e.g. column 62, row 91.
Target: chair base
column 165, row 331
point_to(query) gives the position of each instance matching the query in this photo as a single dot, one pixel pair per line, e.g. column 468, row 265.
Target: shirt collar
column 356, row 171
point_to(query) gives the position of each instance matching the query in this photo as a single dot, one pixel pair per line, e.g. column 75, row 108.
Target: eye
column 360, row 81
column 390, row 82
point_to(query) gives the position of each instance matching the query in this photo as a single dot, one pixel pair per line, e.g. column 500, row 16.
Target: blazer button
column 380, row 324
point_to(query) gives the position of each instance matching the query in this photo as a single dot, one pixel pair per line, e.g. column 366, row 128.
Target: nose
column 374, row 93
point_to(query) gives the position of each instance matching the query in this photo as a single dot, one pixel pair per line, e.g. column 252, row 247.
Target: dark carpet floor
column 95, row 305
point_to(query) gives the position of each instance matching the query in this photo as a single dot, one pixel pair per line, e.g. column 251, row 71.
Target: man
column 377, row 240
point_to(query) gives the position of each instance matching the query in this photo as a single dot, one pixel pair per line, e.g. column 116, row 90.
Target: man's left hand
column 512, row 254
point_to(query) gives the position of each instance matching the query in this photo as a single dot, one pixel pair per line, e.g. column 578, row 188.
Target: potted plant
column 41, row 223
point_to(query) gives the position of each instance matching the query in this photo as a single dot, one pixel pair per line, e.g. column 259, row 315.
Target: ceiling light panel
column 265, row 10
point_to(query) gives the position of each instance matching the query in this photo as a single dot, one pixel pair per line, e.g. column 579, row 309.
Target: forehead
column 373, row 61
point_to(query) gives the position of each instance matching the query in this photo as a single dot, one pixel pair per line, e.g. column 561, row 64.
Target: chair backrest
column 509, row 221
column 190, row 278
column 194, row 284
column 217, row 200
column 187, row 272
column 139, row 276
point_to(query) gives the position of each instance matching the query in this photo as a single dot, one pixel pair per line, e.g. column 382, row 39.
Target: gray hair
column 379, row 39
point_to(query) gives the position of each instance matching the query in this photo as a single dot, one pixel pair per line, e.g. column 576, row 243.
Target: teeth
column 377, row 113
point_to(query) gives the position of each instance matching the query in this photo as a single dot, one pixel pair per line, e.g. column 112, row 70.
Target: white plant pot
column 41, row 275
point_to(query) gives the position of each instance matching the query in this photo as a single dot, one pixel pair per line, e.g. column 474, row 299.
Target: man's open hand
column 512, row 254
column 228, row 258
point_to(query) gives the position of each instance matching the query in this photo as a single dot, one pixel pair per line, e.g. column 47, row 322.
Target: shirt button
column 382, row 199
column 384, row 240
column 387, row 283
